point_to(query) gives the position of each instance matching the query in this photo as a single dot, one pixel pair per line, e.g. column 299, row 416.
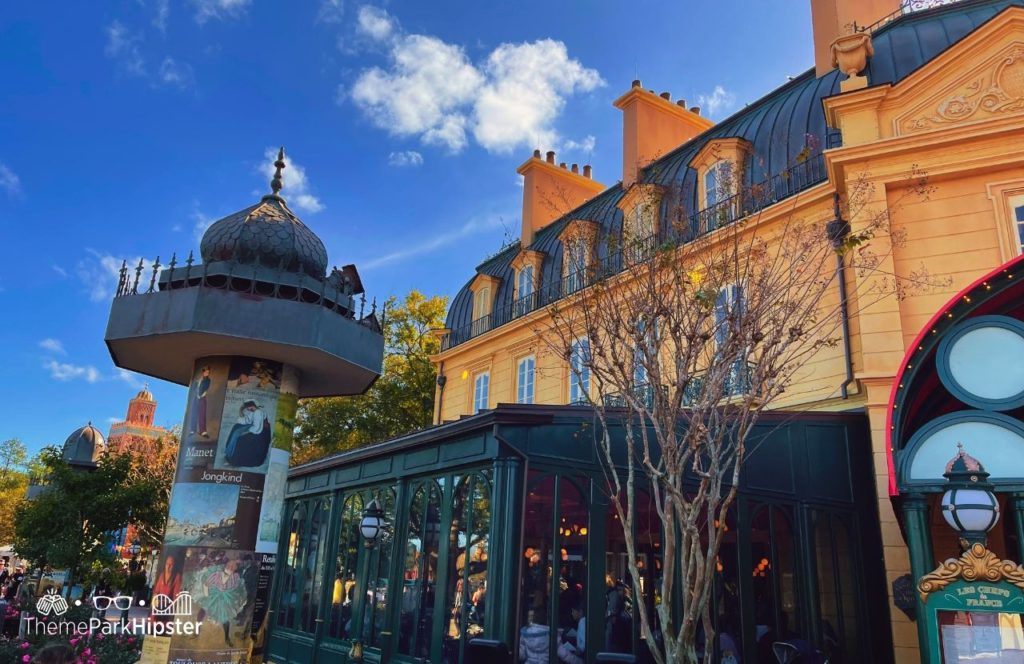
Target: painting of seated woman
column 249, row 440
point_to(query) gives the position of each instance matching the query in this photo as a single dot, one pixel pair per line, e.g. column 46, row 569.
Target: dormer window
column 720, row 170
column 482, row 303
column 640, row 207
column 718, row 183
column 578, row 246
column 524, row 290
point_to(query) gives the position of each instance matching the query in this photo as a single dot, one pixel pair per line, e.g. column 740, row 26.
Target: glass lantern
column 968, row 504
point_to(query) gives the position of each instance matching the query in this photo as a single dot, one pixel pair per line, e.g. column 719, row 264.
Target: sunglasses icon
column 121, row 602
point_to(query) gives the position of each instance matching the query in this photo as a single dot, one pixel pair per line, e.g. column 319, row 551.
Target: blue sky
column 127, row 127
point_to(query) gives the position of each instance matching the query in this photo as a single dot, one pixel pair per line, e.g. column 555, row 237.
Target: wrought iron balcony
column 644, row 393
column 799, row 177
column 738, row 383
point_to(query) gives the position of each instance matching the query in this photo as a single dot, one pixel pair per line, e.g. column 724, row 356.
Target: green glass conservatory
column 498, row 526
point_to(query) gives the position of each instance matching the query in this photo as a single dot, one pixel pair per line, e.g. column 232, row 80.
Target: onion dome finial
column 277, row 183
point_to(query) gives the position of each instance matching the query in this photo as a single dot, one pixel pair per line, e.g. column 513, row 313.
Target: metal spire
column 276, row 184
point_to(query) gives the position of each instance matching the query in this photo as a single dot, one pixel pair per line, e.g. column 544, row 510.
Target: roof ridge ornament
column 278, row 183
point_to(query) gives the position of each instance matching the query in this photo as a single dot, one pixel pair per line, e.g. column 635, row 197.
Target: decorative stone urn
column 851, row 52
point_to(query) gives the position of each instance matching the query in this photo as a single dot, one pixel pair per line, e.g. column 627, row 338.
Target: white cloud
column 526, row 90
column 163, row 11
column 9, row 181
column 405, row 158
column 64, row 371
column 374, row 22
column 296, row 184
column 426, row 90
column 99, row 273
column 59, row 270
column 431, row 89
column 53, row 346
column 720, row 99
column 123, row 46
column 585, row 145
column 477, row 225
column 219, row 9
column 130, row 377
column 331, row 11
column 175, row 74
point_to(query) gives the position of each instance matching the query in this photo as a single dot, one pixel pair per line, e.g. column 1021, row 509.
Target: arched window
column 315, row 563
column 420, row 576
column 378, row 568
column 287, row 615
column 469, row 537
column 718, row 182
column 345, row 565
column 524, row 291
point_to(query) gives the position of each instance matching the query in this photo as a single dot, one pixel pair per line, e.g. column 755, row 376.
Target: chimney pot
column 587, row 171
column 562, row 165
column 636, row 83
column 575, row 168
column 536, row 154
column 666, row 95
column 695, row 110
column 551, row 156
column 681, row 102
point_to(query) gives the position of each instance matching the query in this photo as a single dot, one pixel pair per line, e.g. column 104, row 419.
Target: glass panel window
column 773, row 561
column 481, row 303
column 287, row 615
column 525, row 281
column 729, row 302
column 579, row 371
column 538, row 546
column 377, row 575
column 836, row 588
column 575, row 265
column 420, row 576
column 315, row 564
column 524, row 384
column 343, row 592
column 481, row 391
column 467, row 566
column 718, row 184
column 1017, row 213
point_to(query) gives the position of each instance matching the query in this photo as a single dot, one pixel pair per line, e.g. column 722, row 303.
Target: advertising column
column 226, row 507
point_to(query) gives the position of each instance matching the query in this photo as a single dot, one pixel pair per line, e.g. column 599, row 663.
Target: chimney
column 832, row 19
column 550, row 191
column 652, row 125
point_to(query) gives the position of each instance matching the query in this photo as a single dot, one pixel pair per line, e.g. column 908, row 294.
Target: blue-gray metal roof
column 777, row 126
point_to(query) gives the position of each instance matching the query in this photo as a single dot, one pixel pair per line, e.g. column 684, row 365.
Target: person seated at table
column 572, row 649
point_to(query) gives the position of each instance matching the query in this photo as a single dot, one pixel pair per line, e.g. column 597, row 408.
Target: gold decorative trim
column 998, row 90
column 976, row 564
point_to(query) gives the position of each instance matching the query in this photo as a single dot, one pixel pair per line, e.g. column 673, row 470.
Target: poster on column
column 203, row 414
column 222, row 584
column 260, row 614
column 250, row 416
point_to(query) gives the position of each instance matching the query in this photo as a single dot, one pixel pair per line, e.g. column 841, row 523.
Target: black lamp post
column 968, row 505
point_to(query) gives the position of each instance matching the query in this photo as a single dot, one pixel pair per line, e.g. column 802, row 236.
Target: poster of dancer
column 223, row 589
column 250, row 415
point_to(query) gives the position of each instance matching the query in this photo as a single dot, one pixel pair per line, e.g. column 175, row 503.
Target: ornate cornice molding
column 976, row 564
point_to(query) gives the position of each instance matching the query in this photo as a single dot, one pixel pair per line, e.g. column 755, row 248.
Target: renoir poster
column 249, row 417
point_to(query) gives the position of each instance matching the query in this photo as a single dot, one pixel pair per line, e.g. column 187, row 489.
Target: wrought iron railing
column 739, row 382
column 906, row 7
column 334, row 293
column 643, row 393
column 797, row 178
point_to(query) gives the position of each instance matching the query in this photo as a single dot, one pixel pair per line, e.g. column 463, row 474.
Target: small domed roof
column 84, row 446
column 144, row 394
column 268, row 233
